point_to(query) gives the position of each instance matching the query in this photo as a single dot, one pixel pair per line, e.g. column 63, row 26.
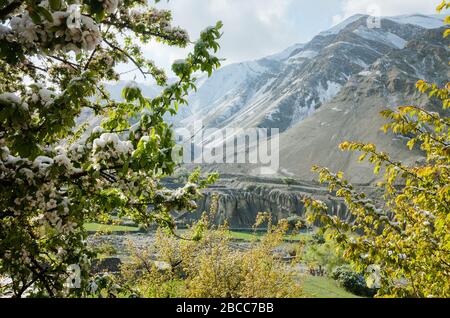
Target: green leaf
column 45, row 13
column 55, row 4
column 35, row 17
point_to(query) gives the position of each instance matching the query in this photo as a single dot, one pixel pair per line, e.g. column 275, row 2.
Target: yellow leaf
column 425, row 172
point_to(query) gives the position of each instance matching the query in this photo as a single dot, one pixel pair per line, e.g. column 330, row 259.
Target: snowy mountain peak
column 425, row 21
column 342, row 25
column 283, row 89
column 286, row 53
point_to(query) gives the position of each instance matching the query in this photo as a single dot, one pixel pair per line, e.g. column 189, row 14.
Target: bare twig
column 128, row 56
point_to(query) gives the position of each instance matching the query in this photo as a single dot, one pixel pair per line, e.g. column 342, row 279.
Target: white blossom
column 24, row 28
column 25, row 256
column 118, row 146
column 110, row 6
column 52, row 204
column 78, row 31
column 29, row 174
column 10, row 98
column 64, row 161
column 61, row 252
column 4, row 31
column 42, row 163
column 47, row 96
column 98, row 130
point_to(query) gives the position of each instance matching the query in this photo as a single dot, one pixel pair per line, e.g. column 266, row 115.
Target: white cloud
column 257, row 28
column 251, row 27
column 384, row 8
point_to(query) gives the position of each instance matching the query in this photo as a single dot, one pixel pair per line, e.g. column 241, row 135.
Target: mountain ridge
column 280, row 75
column 325, row 91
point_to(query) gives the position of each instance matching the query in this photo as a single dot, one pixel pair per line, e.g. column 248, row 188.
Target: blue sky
column 257, row 28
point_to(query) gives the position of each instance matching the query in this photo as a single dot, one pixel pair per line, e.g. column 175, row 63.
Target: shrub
column 295, row 222
column 403, row 228
column 318, row 238
column 203, row 264
column 322, row 254
column 105, row 250
column 352, row 281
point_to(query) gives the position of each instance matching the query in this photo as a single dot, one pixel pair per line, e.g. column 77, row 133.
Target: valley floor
column 119, row 236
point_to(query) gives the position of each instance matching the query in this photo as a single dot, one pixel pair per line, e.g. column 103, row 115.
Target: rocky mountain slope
column 318, row 94
column 281, row 90
column 353, row 114
column 241, row 199
column 328, row 90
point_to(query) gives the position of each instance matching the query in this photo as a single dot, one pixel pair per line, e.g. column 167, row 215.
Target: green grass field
column 251, row 236
column 237, row 235
column 313, row 287
column 323, row 287
column 95, row 227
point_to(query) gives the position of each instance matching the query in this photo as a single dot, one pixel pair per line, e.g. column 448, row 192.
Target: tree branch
column 119, row 25
column 128, row 56
column 73, row 65
column 5, row 11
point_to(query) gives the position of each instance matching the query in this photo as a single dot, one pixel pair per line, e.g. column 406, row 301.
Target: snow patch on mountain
column 307, row 54
column 328, row 92
column 365, row 73
column 339, row 27
column 222, row 85
column 425, row 21
column 255, row 67
column 286, row 53
column 360, row 62
column 304, row 111
column 387, row 38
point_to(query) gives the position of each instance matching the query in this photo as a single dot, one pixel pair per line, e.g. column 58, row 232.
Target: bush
column 105, row 250
column 318, row 238
column 295, row 222
column 352, row 281
column 320, row 255
column 206, row 266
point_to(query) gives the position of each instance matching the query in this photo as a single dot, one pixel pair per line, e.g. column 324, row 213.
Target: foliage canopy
column 55, row 173
column 402, row 240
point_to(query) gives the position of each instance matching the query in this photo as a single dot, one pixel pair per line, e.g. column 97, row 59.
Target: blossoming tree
column 401, row 240
column 55, row 174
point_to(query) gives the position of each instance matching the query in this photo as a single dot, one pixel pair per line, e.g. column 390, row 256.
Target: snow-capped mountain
column 281, row 90
column 326, row 91
column 353, row 114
